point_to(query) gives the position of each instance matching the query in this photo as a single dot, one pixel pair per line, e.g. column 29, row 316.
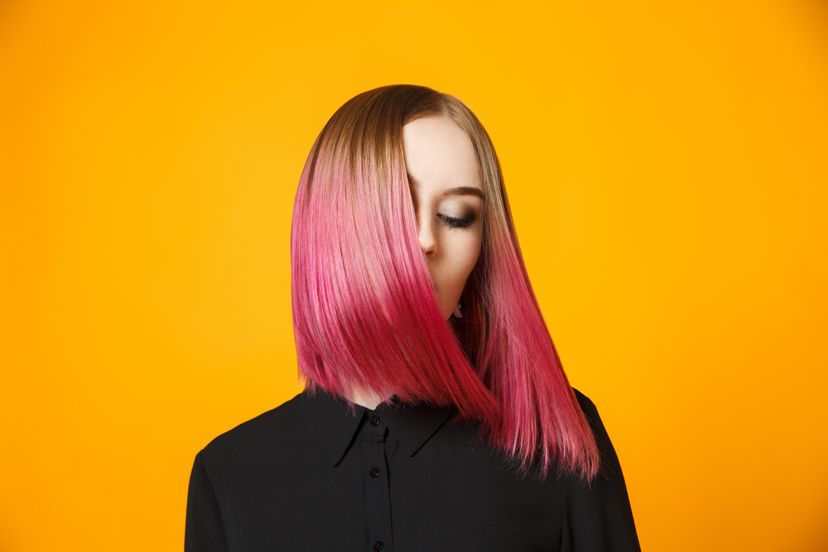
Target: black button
column 375, row 472
column 378, row 545
column 375, row 420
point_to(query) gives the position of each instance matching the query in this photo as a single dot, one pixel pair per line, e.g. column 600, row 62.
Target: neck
column 364, row 398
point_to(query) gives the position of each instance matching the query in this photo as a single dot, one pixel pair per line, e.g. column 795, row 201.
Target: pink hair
column 365, row 312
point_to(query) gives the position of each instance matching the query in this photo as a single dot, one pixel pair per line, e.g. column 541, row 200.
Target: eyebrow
column 463, row 190
column 456, row 191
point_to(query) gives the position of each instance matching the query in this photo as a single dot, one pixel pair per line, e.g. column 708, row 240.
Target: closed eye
column 451, row 222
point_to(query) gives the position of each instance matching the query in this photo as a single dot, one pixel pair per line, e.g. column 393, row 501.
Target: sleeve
column 597, row 517
column 203, row 531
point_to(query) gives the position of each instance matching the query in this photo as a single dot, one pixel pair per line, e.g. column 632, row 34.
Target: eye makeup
column 453, row 222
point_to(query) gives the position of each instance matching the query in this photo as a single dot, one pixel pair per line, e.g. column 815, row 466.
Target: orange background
column 666, row 164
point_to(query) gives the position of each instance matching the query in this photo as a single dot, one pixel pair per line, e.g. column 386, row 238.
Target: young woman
column 435, row 415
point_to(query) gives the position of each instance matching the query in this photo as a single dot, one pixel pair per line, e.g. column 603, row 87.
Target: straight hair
column 365, row 313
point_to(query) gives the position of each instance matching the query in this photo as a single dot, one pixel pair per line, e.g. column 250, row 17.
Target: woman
column 436, row 415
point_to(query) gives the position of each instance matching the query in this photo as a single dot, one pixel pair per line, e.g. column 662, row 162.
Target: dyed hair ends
column 365, row 312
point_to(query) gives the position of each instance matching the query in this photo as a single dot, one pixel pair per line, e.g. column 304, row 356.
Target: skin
column 443, row 174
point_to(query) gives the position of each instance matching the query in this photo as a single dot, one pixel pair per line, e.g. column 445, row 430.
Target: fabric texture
column 309, row 475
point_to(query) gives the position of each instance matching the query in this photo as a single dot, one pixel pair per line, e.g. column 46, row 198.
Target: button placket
column 376, row 484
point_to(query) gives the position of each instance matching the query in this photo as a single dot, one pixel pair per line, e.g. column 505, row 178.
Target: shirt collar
column 335, row 426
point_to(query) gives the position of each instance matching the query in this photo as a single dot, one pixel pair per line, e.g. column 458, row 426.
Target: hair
column 364, row 310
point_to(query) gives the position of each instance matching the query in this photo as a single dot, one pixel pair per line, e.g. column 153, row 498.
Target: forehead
column 439, row 154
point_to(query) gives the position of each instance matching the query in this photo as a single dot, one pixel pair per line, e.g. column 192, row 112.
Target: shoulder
column 609, row 460
column 593, row 418
column 267, row 430
column 587, row 406
column 598, row 512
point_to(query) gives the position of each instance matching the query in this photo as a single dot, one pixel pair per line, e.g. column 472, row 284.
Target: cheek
column 461, row 252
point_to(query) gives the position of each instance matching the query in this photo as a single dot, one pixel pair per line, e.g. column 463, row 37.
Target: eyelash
column 451, row 222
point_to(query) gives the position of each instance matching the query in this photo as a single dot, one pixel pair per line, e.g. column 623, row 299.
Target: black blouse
column 307, row 475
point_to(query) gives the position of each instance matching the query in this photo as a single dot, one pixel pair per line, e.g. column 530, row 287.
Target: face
column 446, row 188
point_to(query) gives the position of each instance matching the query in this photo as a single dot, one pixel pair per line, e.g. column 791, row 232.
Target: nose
column 428, row 242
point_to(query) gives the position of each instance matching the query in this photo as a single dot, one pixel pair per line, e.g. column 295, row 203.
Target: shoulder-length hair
column 365, row 312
